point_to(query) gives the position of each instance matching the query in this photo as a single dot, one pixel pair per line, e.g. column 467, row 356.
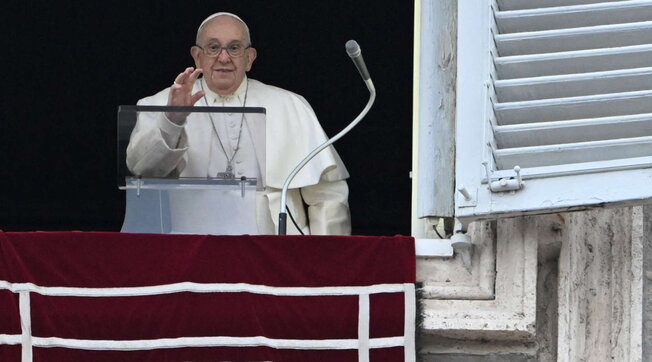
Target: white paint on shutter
column 561, row 89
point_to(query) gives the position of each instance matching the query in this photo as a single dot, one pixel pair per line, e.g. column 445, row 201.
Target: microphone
column 353, row 49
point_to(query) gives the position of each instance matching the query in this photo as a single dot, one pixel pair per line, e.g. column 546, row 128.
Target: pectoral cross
column 228, row 173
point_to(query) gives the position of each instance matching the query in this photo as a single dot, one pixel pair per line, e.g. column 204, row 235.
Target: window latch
column 504, row 184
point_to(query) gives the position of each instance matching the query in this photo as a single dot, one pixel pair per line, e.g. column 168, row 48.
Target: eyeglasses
column 213, row 50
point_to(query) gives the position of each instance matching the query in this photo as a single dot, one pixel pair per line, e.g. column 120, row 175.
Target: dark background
column 67, row 65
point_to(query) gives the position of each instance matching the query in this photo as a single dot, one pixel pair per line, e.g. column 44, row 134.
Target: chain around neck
column 229, row 160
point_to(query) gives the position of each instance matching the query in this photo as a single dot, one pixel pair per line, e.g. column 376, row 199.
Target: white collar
column 213, row 97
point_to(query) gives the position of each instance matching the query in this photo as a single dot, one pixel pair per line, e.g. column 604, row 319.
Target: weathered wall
column 586, row 275
column 599, row 275
column 643, row 250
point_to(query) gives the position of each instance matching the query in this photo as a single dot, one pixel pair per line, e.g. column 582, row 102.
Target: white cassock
column 160, row 148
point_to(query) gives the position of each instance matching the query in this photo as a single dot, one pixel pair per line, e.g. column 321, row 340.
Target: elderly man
column 175, row 145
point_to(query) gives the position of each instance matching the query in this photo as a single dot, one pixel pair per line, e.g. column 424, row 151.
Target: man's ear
column 195, row 52
column 251, row 56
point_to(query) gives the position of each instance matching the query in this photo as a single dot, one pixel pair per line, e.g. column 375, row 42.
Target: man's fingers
column 189, row 82
column 181, row 89
column 183, row 76
column 194, row 75
column 195, row 97
column 180, row 78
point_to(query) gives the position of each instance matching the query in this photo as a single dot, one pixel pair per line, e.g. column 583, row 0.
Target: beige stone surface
column 511, row 313
column 566, row 287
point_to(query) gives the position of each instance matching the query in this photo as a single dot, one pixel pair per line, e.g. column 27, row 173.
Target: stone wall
column 562, row 287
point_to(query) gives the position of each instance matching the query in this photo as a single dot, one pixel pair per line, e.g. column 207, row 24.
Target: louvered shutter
column 561, row 90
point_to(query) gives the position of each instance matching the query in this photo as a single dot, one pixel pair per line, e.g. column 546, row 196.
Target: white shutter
column 561, row 89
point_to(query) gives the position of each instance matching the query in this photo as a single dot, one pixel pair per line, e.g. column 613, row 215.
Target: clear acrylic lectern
column 198, row 178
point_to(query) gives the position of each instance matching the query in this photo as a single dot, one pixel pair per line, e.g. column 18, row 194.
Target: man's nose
column 223, row 56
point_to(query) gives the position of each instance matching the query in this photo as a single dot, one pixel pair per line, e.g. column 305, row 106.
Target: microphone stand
column 282, row 216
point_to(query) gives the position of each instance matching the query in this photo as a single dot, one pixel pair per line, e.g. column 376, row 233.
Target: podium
column 203, row 206
column 177, row 189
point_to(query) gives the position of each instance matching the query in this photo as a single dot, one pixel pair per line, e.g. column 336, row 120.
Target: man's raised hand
column 181, row 93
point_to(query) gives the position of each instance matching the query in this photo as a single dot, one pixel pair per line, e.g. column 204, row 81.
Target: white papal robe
column 160, row 148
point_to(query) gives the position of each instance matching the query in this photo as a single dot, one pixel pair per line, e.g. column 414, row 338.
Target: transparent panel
column 190, row 206
column 199, row 177
column 213, row 143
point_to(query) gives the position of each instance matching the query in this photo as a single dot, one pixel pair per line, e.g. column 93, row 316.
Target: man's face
column 223, row 73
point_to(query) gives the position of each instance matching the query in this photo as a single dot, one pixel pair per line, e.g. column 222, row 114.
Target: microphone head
column 352, row 48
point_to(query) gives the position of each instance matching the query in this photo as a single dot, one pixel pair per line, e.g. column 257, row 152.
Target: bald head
column 245, row 28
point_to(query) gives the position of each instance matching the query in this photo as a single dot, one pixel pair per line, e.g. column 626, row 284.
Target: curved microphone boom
column 353, row 49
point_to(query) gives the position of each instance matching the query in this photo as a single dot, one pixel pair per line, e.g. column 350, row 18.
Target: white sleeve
column 156, row 147
column 170, row 132
column 328, row 208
